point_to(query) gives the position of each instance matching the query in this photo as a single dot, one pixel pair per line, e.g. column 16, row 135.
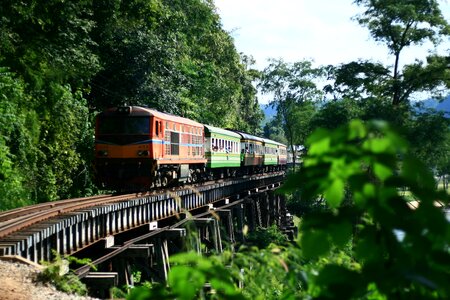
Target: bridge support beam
column 100, row 283
column 226, row 227
column 208, row 232
column 238, row 219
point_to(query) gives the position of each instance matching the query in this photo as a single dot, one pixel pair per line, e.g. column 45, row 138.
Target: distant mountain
column 443, row 106
column 269, row 113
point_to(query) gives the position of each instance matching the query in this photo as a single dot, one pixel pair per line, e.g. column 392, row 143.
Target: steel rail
column 21, row 211
column 32, row 215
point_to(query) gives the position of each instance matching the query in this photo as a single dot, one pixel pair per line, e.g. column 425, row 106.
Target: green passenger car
column 222, row 148
column 270, row 152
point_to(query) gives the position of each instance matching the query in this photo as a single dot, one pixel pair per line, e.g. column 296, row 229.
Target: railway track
column 17, row 219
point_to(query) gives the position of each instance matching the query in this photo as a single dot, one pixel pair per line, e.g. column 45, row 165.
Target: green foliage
column 16, row 141
column 430, row 148
column 173, row 56
column 61, row 61
column 58, row 274
column 187, row 278
column 264, row 272
column 413, row 122
column 274, row 130
column 263, row 237
column 362, row 160
column 295, row 94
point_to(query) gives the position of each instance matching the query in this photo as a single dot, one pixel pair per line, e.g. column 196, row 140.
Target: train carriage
column 252, row 149
column 282, row 156
column 270, row 157
column 138, row 146
column 222, row 151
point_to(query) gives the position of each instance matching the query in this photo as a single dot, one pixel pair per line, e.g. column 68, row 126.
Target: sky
column 321, row 30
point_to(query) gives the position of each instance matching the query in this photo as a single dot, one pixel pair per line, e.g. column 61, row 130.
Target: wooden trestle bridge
column 116, row 232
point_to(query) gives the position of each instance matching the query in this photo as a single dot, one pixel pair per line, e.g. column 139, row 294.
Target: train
column 138, row 148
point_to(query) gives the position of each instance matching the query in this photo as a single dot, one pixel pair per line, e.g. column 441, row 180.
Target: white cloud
column 321, row 30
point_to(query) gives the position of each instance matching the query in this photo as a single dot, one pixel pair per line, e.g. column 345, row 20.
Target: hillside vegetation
column 63, row 61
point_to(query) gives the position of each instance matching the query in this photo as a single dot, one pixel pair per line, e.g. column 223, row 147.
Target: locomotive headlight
column 143, row 153
column 102, row 153
column 124, row 110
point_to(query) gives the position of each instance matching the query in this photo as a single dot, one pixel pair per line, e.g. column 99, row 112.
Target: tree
column 48, row 47
column 359, row 80
column 427, row 132
column 295, row 92
column 400, row 24
column 402, row 252
column 274, row 130
column 17, row 145
column 173, row 56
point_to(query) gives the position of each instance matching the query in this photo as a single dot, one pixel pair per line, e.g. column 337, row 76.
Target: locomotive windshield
column 124, row 125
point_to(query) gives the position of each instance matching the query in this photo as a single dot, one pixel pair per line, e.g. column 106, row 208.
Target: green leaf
column 382, row 171
column 186, row 281
column 315, row 243
column 335, row 193
column 339, row 282
column 378, row 145
column 340, row 233
column 356, row 130
column 320, row 146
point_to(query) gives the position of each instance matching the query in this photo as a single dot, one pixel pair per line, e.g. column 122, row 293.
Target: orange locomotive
column 140, row 148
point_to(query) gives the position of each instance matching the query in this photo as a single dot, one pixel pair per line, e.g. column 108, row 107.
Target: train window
column 167, row 143
column 156, row 127
column 124, row 125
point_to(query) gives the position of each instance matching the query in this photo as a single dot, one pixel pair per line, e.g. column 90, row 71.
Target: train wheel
column 164, row 181
column 194, row 176
column 191, row 177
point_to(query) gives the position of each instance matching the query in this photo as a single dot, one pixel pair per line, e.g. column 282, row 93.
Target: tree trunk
column 396, row 83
